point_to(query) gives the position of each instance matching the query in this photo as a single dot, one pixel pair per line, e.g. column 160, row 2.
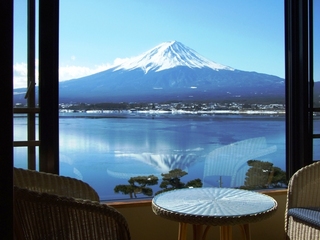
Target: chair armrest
column 52, row 183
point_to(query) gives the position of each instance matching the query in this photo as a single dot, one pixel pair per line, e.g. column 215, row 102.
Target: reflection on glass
column 227, row 166
column 162, row 163
column 106, row 151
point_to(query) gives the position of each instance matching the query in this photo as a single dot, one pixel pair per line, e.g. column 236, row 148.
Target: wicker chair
column 48, row 216
column 49, row 206
column 302, row 215
column 55, row 184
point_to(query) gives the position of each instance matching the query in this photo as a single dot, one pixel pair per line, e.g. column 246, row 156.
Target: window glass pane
column 21, row 83
column 20, row 48
column 21, row 134
column 316, row 147
column 20, row 127
column 211, row 137
column 20, row 155
column 227, row 141
column 20, row 45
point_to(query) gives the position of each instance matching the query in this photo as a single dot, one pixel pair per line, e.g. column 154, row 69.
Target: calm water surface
column 107, row 151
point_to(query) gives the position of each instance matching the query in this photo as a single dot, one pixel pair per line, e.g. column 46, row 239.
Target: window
column 25, row 131
column 47, row 95
column 144, row 144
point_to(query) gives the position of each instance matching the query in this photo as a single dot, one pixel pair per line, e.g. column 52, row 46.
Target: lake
column 106, row 150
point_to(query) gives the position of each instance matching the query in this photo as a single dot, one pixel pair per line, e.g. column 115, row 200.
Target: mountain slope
column 177, row 84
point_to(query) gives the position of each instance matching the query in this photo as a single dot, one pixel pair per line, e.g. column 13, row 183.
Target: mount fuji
column 169, row 55
column 172, row 71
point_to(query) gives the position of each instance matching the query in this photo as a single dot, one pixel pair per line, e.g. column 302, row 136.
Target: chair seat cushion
column 310, row 216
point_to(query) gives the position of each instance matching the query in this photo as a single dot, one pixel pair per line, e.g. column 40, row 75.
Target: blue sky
column 246, row 35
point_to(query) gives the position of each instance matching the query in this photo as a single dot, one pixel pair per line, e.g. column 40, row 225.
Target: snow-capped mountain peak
column 169, row 55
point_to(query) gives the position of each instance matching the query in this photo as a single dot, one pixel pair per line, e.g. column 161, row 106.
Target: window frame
column 48, row 108
column 298, row 152
column 6, row 126
column 299, row 84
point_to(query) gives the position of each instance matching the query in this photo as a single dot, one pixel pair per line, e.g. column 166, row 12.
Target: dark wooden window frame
column 299, row 85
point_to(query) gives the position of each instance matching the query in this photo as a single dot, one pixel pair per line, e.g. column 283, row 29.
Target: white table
column 222, row 207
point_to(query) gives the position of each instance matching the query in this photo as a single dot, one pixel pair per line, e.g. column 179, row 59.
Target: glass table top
column 217, row 202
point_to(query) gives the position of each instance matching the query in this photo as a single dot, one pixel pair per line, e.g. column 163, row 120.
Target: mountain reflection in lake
column 161, row 163
column 105, row 152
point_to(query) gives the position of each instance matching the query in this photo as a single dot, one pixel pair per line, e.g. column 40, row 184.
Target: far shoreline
column 154, row 113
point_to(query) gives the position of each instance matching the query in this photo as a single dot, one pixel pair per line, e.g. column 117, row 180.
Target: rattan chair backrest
column 52, row 183
column 47, row 216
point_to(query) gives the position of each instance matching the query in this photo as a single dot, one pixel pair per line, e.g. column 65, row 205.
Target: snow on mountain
column 169, row 55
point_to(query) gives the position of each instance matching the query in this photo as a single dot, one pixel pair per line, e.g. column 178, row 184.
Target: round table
column 222, row 207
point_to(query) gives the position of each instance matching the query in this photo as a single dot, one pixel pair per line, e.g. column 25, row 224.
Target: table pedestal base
column 225, row 232
column 182, row 234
